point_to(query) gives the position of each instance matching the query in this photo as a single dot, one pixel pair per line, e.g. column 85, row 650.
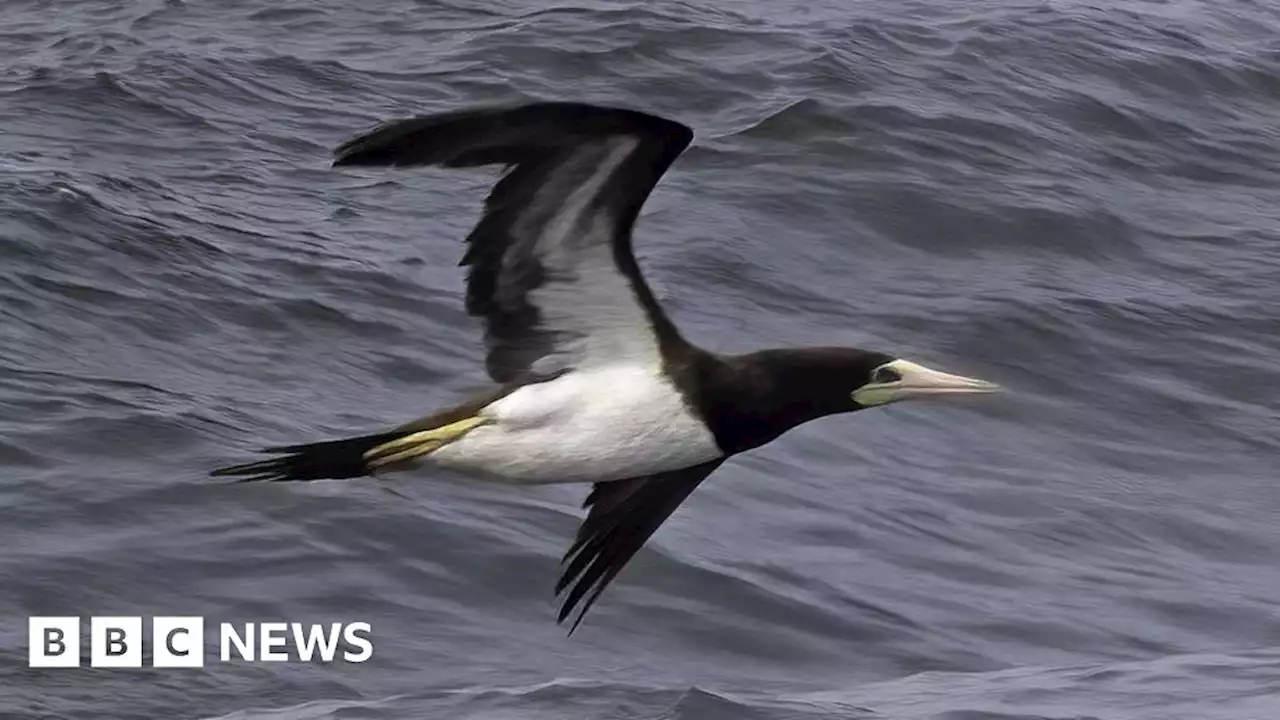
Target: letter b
column 115, row 642
column 53, row 642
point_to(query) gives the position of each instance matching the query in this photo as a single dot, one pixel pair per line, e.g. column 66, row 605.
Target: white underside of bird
column 592, row 425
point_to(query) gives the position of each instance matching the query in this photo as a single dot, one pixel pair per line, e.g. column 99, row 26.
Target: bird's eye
column 886, row 375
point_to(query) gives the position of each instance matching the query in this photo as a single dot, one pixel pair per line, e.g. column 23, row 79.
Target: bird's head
column 884, row 379
column 768, row 392
column 817, row 381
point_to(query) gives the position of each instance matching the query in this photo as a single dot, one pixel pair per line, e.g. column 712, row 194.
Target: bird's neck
column 748, row 400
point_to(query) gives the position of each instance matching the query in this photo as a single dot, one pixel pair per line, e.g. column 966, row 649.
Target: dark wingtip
column 354, row 153
column 389, row 143
column 351, row 154
column 623, row 515
column 576, row 622
column 502, row 134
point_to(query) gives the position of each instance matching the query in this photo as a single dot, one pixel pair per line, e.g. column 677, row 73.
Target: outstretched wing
column 623, row 514
column 551, row 266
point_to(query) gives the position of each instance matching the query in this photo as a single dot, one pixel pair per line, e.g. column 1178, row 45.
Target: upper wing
column 552, row 271
column 623, row 514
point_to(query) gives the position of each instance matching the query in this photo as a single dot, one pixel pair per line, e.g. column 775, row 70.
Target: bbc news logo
column 176, row 642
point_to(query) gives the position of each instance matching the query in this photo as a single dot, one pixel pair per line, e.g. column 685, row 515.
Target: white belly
column 585, row 426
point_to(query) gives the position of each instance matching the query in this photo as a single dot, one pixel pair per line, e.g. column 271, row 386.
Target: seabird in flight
column 593, row 382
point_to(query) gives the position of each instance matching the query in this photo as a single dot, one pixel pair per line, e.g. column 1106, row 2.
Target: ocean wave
column 1067, row 693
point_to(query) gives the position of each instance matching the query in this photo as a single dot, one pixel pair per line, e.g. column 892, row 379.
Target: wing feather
column 552, row 271
column 623, row 515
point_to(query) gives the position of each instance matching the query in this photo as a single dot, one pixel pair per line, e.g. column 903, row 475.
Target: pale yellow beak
column 913, row 382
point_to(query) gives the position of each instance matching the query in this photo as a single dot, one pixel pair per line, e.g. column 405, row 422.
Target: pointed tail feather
column 353, row 457
column 332, row 459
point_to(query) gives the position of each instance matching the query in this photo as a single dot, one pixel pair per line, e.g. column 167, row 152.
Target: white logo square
column 53, row 642
column 115, row 642
column 177, row 642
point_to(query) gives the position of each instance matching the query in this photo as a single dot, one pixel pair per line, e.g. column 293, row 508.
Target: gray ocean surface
column 1078, row 200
